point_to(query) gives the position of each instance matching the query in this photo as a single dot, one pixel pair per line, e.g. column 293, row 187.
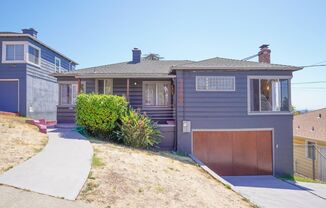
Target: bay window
column 104, row 86
column 12, row 52
column 33, row 55
column 156, row 94
column 269, row 94
column 20, row 52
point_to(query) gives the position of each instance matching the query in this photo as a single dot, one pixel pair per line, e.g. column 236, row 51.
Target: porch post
column 128, row 86
column 78, row 86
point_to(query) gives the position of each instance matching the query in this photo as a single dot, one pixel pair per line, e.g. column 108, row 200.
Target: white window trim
column 71, row 83
column 4, row 52
column 201, row 90
column 96, row 86
column 270, row 112
column 55, row 66
column 307, row 147
column 39, row 60
column 156, row 94
column 26, row 54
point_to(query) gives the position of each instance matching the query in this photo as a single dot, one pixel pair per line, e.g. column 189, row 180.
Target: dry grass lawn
column 18, row 141
column 125, row 177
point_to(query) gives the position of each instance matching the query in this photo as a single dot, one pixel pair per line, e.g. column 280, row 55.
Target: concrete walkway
column 16, row 198
column 270, row 192
column 59, row 170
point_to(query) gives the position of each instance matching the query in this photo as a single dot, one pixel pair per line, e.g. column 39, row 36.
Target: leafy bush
column 98, row 114
column 138, row 130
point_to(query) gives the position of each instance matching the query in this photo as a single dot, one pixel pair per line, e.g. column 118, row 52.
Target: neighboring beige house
column 309, row 143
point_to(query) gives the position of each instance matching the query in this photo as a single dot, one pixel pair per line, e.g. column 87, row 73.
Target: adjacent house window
column 13, row 52
column 33, row 55
column 104, row 86
column 68, row 93
column 310, row 150
column 156, row 94
column 269, row 95
column 57, row 64
column 215, row 83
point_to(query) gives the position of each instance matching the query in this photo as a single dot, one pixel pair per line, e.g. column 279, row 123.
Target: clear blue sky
column 102, row 32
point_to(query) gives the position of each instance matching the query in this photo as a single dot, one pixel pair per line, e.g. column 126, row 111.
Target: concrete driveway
column 59, row 170
column 268, row 191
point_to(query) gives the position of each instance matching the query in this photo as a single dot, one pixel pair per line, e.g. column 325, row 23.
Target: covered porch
column 153, row 97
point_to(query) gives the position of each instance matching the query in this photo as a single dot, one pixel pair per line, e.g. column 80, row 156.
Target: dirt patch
column 135, row 178
column 18, row 141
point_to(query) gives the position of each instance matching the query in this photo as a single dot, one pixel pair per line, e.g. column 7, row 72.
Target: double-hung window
column 269, row 94
column 156, row 93
column 104, row 86
column 57, row 64
column 68, row 93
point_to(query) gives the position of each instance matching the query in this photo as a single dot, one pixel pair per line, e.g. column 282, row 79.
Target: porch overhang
column 104, row 75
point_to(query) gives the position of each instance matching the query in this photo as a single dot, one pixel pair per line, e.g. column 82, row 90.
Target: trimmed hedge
column 98, row 114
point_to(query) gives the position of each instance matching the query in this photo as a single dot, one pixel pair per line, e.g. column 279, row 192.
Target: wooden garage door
column 235, row 152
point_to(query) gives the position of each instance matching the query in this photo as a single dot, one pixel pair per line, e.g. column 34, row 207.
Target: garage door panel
column 235, row 152
column 264, row 152
column 207, row 144
column 244, row 153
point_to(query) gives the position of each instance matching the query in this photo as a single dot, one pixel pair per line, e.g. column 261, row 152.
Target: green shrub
column 138, row 130
column 98, row 114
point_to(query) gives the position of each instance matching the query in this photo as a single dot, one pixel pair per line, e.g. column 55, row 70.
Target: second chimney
column 30, row 31
column 264, row 55
column 136, row 55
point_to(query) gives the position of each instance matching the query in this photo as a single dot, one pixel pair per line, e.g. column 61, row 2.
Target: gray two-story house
column 233, row 115
column 26, row 86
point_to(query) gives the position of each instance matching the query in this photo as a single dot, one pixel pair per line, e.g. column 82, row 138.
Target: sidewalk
column 59, row 170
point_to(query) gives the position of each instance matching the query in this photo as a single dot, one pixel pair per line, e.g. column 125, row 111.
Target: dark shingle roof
column 310, row 125
column 233, row 64
column 128, row 69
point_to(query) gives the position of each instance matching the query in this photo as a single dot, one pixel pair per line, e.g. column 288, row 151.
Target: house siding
column 228, row 110
column 38, row 91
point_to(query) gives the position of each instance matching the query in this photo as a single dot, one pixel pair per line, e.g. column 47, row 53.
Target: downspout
column 175, row 143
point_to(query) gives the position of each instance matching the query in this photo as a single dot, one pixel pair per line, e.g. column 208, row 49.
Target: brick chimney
column 136, row 55
column 264, row 55
column 30, row 31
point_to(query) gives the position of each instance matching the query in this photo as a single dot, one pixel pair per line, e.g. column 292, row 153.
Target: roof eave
column 236, row 68
column 40, row 42
column 106, row 75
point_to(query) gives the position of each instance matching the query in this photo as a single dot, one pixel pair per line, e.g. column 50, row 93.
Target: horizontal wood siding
column 228, row 110
column 168, row 137
column 160, row 115
column 66, row 114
